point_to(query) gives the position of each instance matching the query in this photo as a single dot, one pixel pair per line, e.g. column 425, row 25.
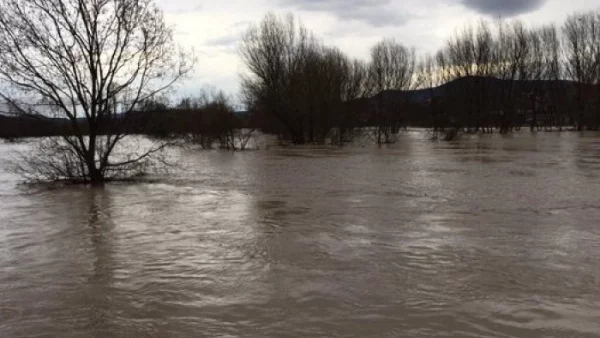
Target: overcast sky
column 213, row 28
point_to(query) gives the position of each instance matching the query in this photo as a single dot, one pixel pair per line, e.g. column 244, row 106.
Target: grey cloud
column 504, row 7
column 223, row 41
column 377, row 13
column 241, row 24
column 227, row 43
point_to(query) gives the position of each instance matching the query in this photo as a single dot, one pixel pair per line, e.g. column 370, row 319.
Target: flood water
column 487, row 237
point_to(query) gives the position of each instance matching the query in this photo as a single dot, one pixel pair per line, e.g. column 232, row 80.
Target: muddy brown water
column 486, row 237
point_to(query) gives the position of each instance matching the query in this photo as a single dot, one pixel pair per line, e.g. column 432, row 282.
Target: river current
column 491, row 236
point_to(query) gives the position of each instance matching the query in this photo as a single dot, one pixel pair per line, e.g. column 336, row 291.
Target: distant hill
column 465, row 85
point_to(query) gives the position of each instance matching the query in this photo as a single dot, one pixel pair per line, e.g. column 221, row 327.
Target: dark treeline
column 488, row 77
column 208, row 120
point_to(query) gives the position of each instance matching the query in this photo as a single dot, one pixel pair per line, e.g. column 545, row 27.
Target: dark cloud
column 377, row 13
column 504, row 7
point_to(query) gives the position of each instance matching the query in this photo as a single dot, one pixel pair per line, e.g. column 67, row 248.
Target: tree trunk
column 96, row 177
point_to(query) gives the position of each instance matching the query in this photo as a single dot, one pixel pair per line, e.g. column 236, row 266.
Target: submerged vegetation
column 488, row 77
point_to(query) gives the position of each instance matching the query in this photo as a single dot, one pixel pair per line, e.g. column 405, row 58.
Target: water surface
column 486, row 237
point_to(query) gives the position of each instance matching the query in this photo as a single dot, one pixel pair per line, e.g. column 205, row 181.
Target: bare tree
column 553, row 73
column 392, row 69
column 582, row 49
column 513, row 57
column 297, row 84
column 431, row 74
column 447, row 102
column 270, row 52
column 468, row 61
column 208, row 118
column 355, row 87
column 93, row 62
column 536, row 88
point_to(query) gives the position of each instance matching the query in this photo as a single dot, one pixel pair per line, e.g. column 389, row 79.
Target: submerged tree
column 355, row 88
column 272, row 53
column 582, row 49
column 210, row 117
column 297, row 85
column 392, row 69
column 92, row 62
column 431, row 73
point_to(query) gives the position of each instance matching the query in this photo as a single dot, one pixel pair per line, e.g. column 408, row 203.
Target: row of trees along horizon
column 101, row 65
column 490, row 76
